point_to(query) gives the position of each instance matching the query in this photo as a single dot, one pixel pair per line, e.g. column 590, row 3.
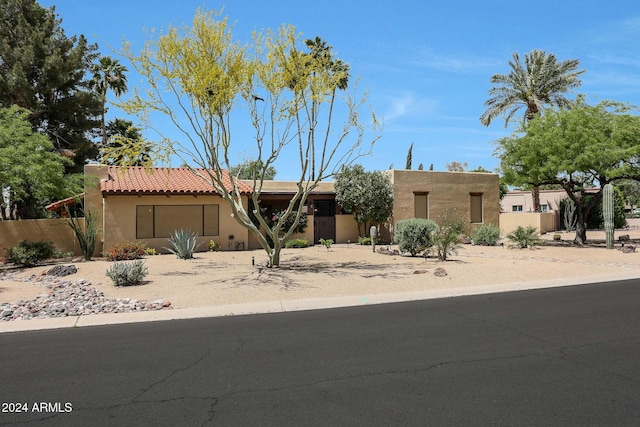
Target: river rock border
column 69, row 298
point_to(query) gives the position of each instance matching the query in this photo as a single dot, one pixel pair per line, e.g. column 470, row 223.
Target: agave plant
column 183, row 243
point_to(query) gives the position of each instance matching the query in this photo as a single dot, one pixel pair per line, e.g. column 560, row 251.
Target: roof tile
column 137, row 180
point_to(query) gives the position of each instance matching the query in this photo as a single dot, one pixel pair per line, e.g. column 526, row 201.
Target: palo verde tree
column 367, row 195
column 584, row 147
column 205, row 82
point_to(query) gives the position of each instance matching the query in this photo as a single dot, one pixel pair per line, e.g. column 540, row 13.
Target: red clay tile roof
column 140, row 180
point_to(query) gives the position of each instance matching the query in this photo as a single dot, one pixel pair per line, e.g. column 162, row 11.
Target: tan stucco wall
column 346, row 229
column 120, row 221
column 544, row 222
column 446, row 190
column 34, row 230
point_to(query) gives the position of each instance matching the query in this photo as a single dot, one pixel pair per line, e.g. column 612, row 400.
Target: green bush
column 414, row 235
column 486, row 235
column 126, row 251
column 28, row 254
column 296, row 243
column 127, row 274
column 524, row 237
column 183, row 243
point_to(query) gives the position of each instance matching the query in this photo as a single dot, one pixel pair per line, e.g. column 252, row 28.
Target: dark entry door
column 324, row 220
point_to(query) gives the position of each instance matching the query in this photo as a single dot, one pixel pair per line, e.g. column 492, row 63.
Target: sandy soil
column 220, row 278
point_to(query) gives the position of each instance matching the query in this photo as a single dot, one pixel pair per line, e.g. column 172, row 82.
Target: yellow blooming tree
column 208, row 84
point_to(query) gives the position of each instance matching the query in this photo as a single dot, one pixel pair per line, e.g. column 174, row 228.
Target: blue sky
column 426, row 65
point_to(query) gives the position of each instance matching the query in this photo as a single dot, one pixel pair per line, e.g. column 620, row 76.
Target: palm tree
column 108, row 74
column 321, row 60
column 541, row 81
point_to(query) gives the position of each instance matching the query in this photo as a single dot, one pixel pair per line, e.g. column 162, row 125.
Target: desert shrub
column 126, row 251
column 296, row 243
column 326, row 243
column 183, row 243
column 364, row 240
column 557, row 237
column 414, row 235
column 28, row 254
column 127, row 273
column 486, row 235
column 150, row 251
column 452, row 225
column 524, row 237
column 214, row 246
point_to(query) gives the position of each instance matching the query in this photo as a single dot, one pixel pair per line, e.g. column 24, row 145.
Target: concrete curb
column 284, row 306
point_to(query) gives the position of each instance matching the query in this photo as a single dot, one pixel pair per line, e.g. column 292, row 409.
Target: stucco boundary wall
column 544, row 222
column 52, row 230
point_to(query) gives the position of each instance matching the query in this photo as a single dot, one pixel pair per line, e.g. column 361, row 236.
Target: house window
column 544, row 208
column 476, row 207
column 421, row 205
column 159, row 221
column 516, row 208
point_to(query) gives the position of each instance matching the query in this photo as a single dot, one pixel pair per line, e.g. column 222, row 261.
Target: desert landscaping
column 236, row 277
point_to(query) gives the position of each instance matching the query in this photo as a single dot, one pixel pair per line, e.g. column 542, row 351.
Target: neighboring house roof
column 69, row 201
column 272, row 187
column 141, row 180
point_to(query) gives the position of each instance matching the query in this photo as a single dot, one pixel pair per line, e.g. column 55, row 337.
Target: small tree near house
column 289, row 96
column 367, row 195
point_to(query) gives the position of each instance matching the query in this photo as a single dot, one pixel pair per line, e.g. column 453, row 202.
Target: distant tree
column 44, row 71
column 541, row 81
column 367, row 195
column 457, row 166
column 200, row 72
column 125, row 145
column 31, row 171
column 630, row 190
column 420, row 167
column 581, row 148
column 409, row 157
column 431, row 167
column 108, row 75
column 253, row 169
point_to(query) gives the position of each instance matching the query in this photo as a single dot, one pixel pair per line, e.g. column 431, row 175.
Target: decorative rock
column 420, row 271
column 624, row 238
column 67, row 298
column 627, row 249
column 440, row 272
column 61, row 270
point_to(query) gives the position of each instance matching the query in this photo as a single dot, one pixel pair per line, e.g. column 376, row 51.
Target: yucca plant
column 524, row 237
column 183, row 243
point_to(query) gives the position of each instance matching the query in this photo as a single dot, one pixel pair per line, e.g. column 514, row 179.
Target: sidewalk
column 283, row 306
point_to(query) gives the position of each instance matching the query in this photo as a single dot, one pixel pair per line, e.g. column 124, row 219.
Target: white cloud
column 426, row 57
column 407, row 105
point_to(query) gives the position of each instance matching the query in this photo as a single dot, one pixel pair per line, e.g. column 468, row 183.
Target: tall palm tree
column 541, row 81
column 108, row 74
column 320, row 60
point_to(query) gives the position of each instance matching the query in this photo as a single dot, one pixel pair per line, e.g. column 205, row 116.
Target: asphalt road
column 563, row 356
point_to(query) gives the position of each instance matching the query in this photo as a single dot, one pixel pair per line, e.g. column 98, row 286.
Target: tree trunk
column 581, row 228
column 535, row 196
column 274, row 255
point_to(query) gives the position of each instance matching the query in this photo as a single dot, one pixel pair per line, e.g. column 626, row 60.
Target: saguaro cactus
column 607, row 213
column 373, row 233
